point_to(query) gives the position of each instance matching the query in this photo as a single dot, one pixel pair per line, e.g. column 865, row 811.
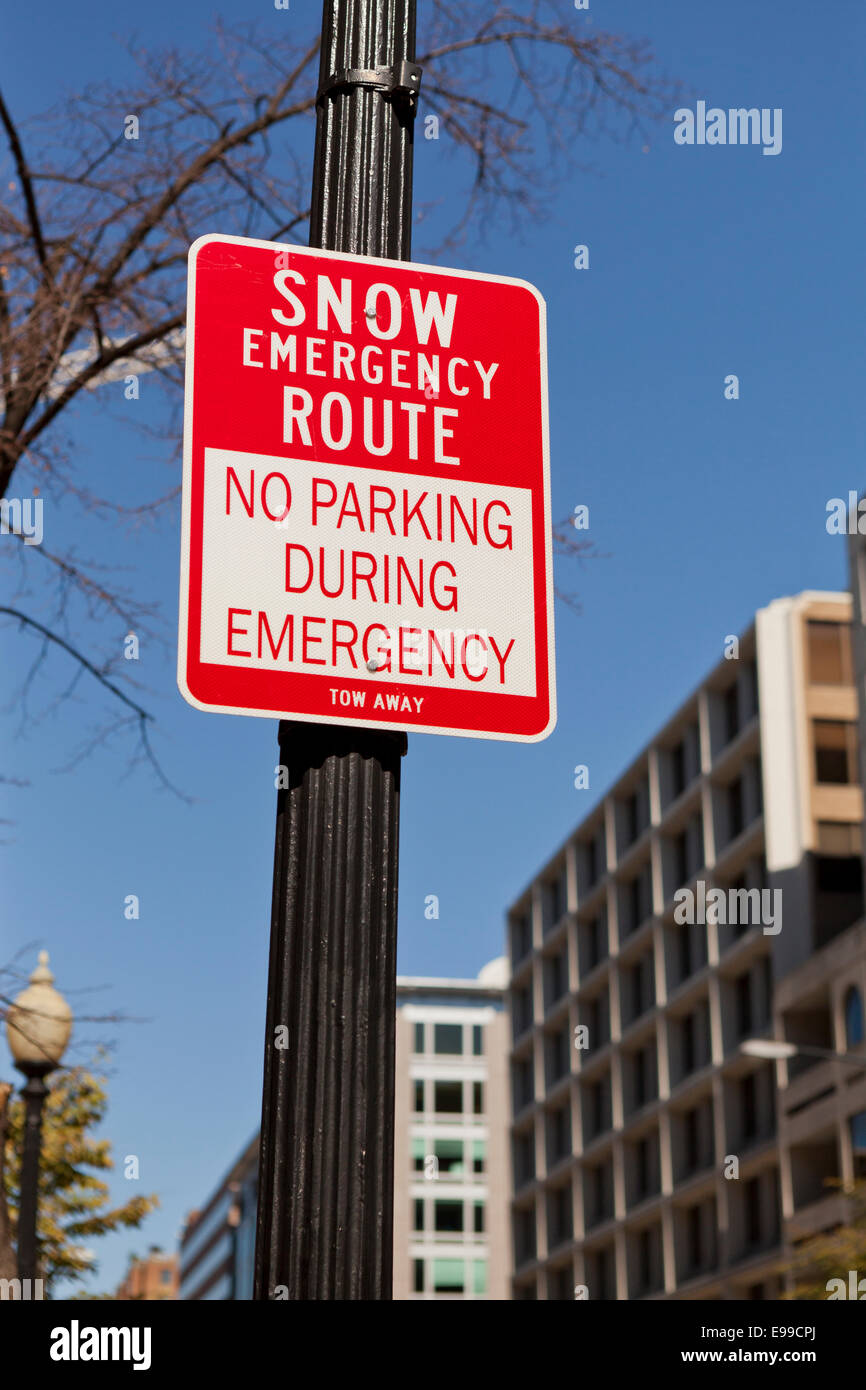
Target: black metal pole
column 326, row 1158
column 34, row 1093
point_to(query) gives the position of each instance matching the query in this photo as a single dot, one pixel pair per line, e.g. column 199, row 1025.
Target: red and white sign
column 366, row 500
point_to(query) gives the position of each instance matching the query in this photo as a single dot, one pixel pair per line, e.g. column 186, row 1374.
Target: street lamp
column 38, row 1025
column 772, row 1051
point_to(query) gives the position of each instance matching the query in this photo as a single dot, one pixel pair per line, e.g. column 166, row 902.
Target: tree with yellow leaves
column 821, row 1265
column 74, row 1204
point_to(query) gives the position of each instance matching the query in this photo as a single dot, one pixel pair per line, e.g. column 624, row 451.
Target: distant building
column 451, row 1174
column 217, row 1247
column 451, row 1183
column 150, row 1277
column 630, row 1092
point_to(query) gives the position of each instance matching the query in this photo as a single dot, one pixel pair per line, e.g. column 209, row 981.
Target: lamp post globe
column 38, row 1025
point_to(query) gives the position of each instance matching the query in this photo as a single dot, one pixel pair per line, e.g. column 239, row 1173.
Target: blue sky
column 703, row 262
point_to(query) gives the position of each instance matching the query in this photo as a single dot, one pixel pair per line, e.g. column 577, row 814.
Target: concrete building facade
column 150, row 1278
column 648, row 1152
column 217, row 1249
column 451, row 1174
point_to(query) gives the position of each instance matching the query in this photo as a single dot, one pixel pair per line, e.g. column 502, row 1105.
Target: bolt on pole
column 326, row 1158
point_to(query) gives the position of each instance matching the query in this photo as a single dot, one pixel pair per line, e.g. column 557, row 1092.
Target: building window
column 419, row 1037
column 479, row 1218
column 684, row 942
column 835, row 752
column 555, row 900
column 644, row 1259
column 694, row 1237
column 688, row 1036
column 732, row 712
column 449, row 1276
column 479, row 1155
column 640, row 1086
column 681, row 858
column 858, row 1144
column 477, row 1040
column 165, row 1276
column 595, row 941
column 642, row 1168
column 449, row 1155
column 743, row 988
column 419, row 1097
column 478, row 1097
column 448, row 1097
column 418, row 1153
column 691, row 1134
column 557, row 976
column 736, row 816
column 853, row 1017
column 829, row 648
column 752, row 1195
column 448, row 1216
column 448, row 1039
column 479, row 1277
column 591, row 861
column 678, row 769
column 521, row 937
column 418, row 1282
column 749, row 1107
column 419, row 1214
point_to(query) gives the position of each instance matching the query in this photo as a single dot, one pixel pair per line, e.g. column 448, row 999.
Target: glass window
column 419, row 1214
column 835, row 752
column 448, row 1216
column 448, row 1039
column 419, row 1275
column 419, row 1037
column 479, row 1155
column 829, row 646
column 732, row 712
column 449, row 1276
column 479, row 1276
column 477, row 1043
column 478, row 1097
column 449, row 1152
column 448, row 1097
column 479, row 1218
column 858, row 1144
column 419, row 1097
column 418, row 1152
column 165, row 1276
column 853, row 1017
column 678, row 769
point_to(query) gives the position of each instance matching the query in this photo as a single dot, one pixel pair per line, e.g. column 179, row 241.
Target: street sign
column 366, row 500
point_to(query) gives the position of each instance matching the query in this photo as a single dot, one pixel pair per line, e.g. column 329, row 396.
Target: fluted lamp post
column 38, row 1025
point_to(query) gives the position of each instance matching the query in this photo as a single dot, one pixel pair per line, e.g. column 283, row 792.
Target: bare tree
column 103, row 208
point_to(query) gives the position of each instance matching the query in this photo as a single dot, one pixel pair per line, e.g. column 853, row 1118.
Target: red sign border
column 518, row 706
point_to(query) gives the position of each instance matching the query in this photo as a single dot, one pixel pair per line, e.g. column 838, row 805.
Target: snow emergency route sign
column 366, row 496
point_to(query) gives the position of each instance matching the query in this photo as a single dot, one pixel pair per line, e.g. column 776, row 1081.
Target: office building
column 217, row 1248
column 150, row 1277
column 451, row 1183
column 451, row 1177
column 714, row 895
